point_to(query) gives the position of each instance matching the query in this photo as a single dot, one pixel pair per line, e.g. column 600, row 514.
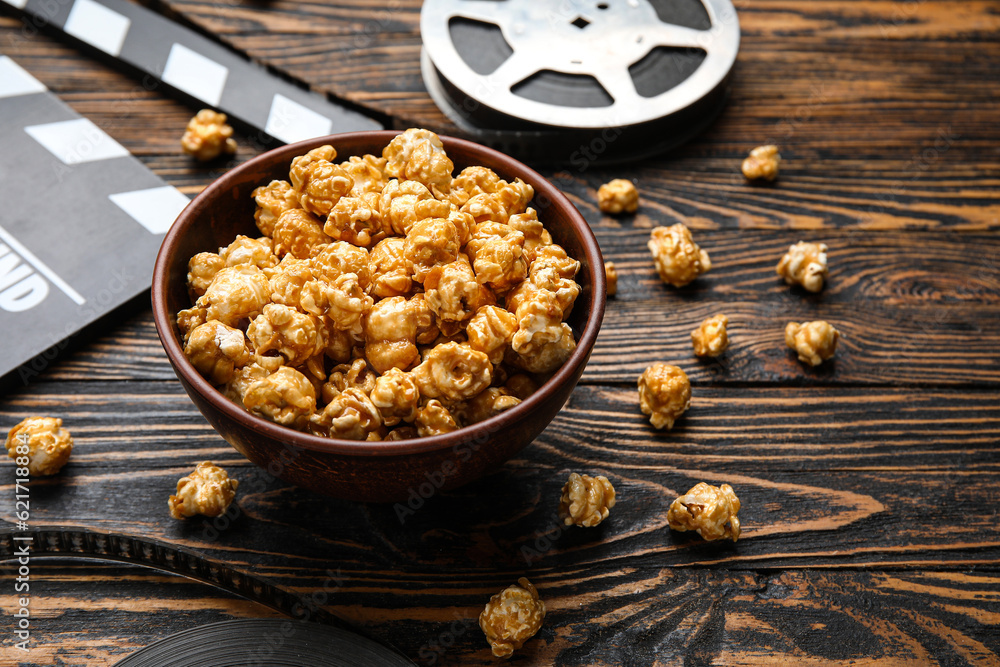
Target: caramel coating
column 241, row 380
column 402, row 203
column 434, row 419
column 353, row 375
column 586, row 500
column 815, row 342
column 430, row 242
column 708, row 510
column 391, row 334
column 497, row 254
column 397, row 396
column 272, row 200
column 236, row 293
column 453, row 293
column 611, row 273
column 217, row 351
column 43, row 442
column 208, row 136
column 618, row 196
column 454, row 371
column 207, row 491
column 350, row 415
column 367, row 172
column 191, row 318
column 285, row 397
column 296, row 336
column 299, row 233
column 487, row 403
column 804, row 264
column 664, row 394
column 299, row 170
column 762, row 163
column 419, row 155
column 490, row 331
column 678, row 258
column 542, row 341
column 201, row 271
column 512, row 617
column 535, row 234
column 710, row 338
column 356, row 220
column 318, row 182
column 390, row 271
column 245, row 250
column 486, row 208
column 335, row 259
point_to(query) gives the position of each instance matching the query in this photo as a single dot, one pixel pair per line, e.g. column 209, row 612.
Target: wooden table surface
column 870, row 486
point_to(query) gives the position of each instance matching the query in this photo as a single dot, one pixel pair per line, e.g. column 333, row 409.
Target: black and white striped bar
column 82, row 222
column 196, row 67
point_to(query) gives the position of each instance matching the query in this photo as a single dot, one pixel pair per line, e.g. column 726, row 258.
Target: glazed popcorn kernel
column 434, row 419
column 207, row 491
column 384, row 296
column 804, row 264
column 285, row 397
column 762, row 163
column 618, row 196
column 454, row 371
column 664, row 394
column 586, row 500
column 512, row 617
column 678, row 258
column 208, row 136
column 815, row 342
column 710, row 338
column 708, row 510
column 272, row 200
column 218, row 351
column 294, row 335
column 201, row 271
column 611, row 273
column 39, row 444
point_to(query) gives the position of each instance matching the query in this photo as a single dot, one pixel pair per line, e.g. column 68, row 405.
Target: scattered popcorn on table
column 512, row 617
column 208, row 136
column 586, row 500
column 618, row 196
column 762, row 163
column 815, row 342
column 708, row 510
column 804, row 264
column 39, row 444
column 611, row 273
column 433, row 293
column 678, row 258
column 710, row 338
column 664, row 394
column 207, row 491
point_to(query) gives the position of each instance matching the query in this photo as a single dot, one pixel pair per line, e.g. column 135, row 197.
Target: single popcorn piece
column 586, row 500
column 39, row 444
column 708, row 510
column 611, row 273
column 391, row 334
column 218, row 351
column 350, row 415
column 353, row 375
column 490, row 331
column 453, row 293
column 236, row 293
column 434, row 419
column 299, row 233
column 272, row 200
column 710, row 339
column 295, row 336
column 678, row 258
column 285, row 397
column 245, row 250
column 487, row 403
column 366, row 172
column 454, row 371
column 664, row 394
column 430, row 242
column 397, row 396
column 419, row 155
column 208, row 136
column 207, row 491
column 815, row 342
column 201, row 272
column 618, row 196
column 403, row 203
column 356, row 220
column 804, row 264
column 391, row 273
column 512, row 617
column 762, row 163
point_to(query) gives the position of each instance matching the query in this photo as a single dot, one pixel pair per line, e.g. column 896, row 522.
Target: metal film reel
column 545, row 78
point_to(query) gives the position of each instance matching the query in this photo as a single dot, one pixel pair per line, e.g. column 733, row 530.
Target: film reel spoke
column 518, row 67
column 485, row 11
column 619, row 85
column 668, row 34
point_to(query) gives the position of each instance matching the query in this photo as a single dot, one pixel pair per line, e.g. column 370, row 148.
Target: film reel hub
column 559, row 71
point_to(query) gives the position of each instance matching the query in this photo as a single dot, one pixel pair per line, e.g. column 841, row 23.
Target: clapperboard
column 83, row 219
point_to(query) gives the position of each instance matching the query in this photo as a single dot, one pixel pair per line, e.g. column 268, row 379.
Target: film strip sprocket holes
column 83, row 220
column 196, row 67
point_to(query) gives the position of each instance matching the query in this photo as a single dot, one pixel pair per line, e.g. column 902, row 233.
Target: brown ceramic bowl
column 370, row 471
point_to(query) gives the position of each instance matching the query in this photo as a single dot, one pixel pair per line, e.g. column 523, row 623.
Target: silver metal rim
column 542, row 38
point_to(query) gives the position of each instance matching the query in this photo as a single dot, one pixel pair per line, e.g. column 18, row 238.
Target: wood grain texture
column 869, row 486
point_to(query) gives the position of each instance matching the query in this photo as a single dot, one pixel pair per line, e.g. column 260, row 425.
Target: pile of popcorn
column 385, row 299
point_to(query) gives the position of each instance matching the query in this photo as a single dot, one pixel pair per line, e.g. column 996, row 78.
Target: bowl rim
column 166, row 323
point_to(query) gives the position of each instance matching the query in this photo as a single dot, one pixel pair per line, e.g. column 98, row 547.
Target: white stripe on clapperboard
column 41, row 267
